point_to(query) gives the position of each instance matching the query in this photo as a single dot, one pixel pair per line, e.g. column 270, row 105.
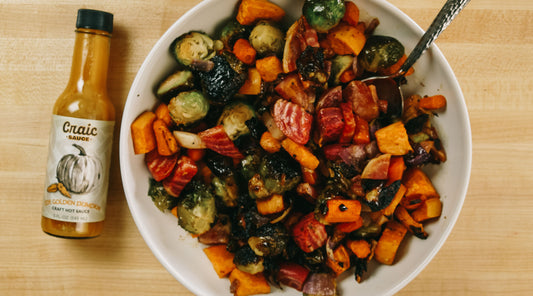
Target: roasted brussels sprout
column 280, row 172
column 196, row 209
column 220, row 165
column 339, row 64
column 269, row 240
column 175, row 83
column 234, row 118
column 249, row 166
column 222, row 81
column 323, row 15
column 246, row 260
column 162, row 200
column 231, row 31
column 226, row 189
column 188, row 107
column 310, row 65
column 267, row 39
column 193, row 46
column 380, row 52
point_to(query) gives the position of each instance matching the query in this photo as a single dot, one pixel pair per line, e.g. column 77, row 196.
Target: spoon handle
column 448, row 12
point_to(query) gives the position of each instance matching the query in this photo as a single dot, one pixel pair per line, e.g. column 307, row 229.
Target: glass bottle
column 81, row 136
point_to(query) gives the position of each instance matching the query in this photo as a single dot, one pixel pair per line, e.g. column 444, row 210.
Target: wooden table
column 489, row 252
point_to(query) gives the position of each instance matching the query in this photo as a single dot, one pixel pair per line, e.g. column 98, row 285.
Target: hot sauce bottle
column 81, row 136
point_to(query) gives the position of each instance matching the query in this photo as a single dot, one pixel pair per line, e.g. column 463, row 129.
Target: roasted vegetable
column 175, row 83
column 222, row 81
column 196, row 208
column 232, row 31
column 323, row 15
column 234, row 119
column 162, row 200
column 248, row 261
column 380, row 52
column 221, row 259
column 142, row 133
column 188, row 107
column 244, row 284
column 380, row 197
column 280, row 172
column 193, row 46
column 267, row 39
column 310, row 65
column 340, row 64
column 269, row 240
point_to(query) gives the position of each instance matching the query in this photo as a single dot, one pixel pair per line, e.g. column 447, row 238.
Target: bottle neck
column 90, row 61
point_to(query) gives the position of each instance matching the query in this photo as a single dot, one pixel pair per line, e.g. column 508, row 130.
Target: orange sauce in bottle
column 82, row 126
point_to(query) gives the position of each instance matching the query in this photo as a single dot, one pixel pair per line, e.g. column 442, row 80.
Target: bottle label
column 77, row 170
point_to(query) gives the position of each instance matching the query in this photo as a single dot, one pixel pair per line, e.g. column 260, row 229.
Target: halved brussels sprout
column 196, row 210
column 267, row 39
column 246, row 260
column 188, row 107
column 323, row 15
column 178, row 81
column 234, row 118
column 380, row 52
column 193, row 46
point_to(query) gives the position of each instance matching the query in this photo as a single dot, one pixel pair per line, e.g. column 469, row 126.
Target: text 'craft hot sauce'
column 81, row 136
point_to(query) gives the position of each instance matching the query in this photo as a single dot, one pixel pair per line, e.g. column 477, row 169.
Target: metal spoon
column 389, row 86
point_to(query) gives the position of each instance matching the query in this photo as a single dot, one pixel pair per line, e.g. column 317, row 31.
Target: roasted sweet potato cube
column 393, row 139
column 389, row 242
column 430, row 208
column 244, row 284
column 221, row 259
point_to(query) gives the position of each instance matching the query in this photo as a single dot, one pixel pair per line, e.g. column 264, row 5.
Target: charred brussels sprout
column 226, row 189
column 380, row 52
column 222, row 81
column 279, row 172
column 246, row 260
column 196, row 210
column 311, row 66
column 267, row 39
column 339, row 64
column 188, row 107
column 323, row 15
column 162, row 200
column 234, row 119
column 269, row 240
column 193, row 46
column 231, row 31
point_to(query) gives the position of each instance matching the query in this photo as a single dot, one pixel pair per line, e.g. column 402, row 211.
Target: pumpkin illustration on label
column 80, row 173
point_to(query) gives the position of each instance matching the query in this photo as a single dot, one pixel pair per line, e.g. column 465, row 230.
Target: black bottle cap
column 95, row 19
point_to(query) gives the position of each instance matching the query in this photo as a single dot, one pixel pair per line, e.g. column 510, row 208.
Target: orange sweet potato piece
column 301, row 153
column 389, row 242
column 244, row 51
column 161, row 112
column 252, row 10
column 340, row 261
column 342, row 210
column 221, row 259
column 244, row 284
column 433, row 102
column 418, row 185
column 166, row 143
column 142, row 133
column 346, row 39
column 396, row 169
column 252, row 84
column 429, row 209
column 393, row 139
column 270, row 205
column 269, row 68
column 361, row 248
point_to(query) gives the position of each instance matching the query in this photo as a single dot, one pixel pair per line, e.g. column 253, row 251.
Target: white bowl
column 182, row 255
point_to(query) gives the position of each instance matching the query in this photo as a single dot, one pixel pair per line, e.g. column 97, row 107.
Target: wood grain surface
column 489, row 252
